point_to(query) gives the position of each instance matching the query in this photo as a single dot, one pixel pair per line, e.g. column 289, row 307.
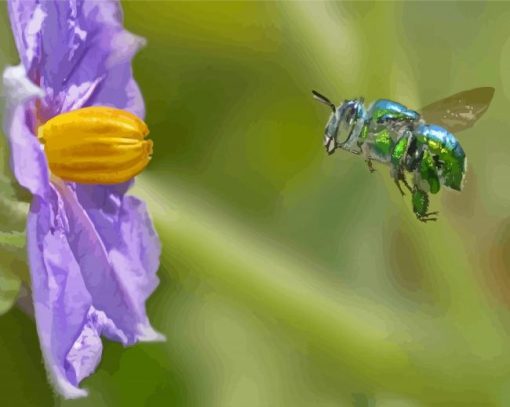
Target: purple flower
column 92, row 250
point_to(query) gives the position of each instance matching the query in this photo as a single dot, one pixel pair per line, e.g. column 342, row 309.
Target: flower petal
column 78, row 52
column 85, row 354
column 119, row 293
column 128, row 234
column 61, row 300
column 27, row 18
column 139, row 244
column 72, row 282
column 28, row 161
column 119, row 89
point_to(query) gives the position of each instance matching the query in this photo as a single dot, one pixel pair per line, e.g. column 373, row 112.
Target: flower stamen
column 96, row 145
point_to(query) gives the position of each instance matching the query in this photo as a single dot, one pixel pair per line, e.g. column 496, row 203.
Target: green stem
column 354, row 334
column 13, row 255
column 14, row 242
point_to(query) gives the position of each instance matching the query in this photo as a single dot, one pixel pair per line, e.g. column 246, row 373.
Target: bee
column 407, row 141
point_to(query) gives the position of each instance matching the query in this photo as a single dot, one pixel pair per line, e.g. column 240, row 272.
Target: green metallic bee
column 392, row 134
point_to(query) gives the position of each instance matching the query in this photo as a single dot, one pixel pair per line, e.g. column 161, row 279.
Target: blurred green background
column 290, row 278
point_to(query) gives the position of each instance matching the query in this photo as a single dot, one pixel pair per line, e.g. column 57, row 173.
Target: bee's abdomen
column 449, row 156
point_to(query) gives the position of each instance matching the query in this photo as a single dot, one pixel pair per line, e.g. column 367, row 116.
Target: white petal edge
column 124, row 46
column 17, row 89
column 147, row 333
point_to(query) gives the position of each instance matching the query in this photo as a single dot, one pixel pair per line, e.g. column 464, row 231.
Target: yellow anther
column 96, row 145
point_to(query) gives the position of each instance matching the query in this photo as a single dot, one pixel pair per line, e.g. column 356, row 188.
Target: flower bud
column 96, row 145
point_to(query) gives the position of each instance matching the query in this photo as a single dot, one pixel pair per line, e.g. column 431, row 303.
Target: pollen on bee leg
column 96, row 145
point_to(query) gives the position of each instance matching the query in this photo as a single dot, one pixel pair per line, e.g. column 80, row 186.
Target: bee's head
column 341, row 123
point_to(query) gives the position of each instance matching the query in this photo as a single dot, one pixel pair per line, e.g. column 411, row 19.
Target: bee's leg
column 366, row 156
column 397, row 173
column 370, row 165
column 421, row 206
column 397, row 183
column 428, row 218
column 402, row 178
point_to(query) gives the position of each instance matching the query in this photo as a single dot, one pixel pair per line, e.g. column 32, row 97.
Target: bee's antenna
column 323, row 99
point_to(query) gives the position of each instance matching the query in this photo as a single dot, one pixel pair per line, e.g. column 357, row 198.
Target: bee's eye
column 351, row 116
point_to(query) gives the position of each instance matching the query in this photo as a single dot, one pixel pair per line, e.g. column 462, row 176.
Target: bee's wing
column 460, row 111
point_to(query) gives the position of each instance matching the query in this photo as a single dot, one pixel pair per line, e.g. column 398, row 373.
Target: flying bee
column 407, row 141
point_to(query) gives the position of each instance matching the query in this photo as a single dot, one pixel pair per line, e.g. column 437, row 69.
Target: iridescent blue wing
column 460, row 111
